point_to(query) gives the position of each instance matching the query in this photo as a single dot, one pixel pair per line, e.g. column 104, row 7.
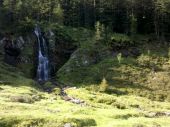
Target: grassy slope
column 24, row 105
column 147, row 75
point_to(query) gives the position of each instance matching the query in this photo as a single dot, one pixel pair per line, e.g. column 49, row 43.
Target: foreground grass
column 26, row 106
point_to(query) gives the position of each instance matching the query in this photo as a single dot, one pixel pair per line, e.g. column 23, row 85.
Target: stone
column 67, row 125
column 134, row 52
column 125, row 53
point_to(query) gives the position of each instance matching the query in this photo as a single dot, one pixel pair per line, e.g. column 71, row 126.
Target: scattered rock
column 67, row 125
column 151, row 115
column 76, row 101
column 157, row 114
column 134, row 52
column 65, row 97
column 125, row 53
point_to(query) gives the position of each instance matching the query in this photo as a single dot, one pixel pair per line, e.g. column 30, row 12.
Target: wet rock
column 61, row 47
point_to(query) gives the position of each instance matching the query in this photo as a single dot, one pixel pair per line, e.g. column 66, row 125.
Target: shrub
column 56, row 91
column 32, row 123
column 119, row 105
column 126, row 116
column 86, row 122
column 105, row 99
column 26, row 98
column 48, row 86
column 120, row 41
column 144, row 60
column 22, row 99
column 8, row 122
column 119, row 57
column 104, row 86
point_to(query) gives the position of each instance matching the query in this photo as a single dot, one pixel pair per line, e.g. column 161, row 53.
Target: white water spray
column 43, row 61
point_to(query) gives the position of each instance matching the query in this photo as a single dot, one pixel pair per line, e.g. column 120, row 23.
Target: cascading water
column 43, row 61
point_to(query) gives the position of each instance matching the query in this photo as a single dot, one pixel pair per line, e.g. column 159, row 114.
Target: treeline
column 122, row 16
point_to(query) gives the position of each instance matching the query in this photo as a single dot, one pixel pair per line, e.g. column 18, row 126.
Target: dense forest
column 84, row 63
column 122, row 16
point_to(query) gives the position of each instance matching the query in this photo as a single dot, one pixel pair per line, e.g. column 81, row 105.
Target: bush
column 107, row 101
column 144, row 60
column 48, row 86
column 22, row 99
column 86, row 122
column 32, row 123
column 120, row 41
column 119, row 57
column 119, row 105
column 153, row 62
column 104, row 86
column 8, row 122
column 26, row 98
column 56, row 91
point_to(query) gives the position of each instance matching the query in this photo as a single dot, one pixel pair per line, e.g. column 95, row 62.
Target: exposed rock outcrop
column 12, row 51
column 60, row 49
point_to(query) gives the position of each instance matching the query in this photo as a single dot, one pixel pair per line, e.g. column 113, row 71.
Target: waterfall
column 43, row 61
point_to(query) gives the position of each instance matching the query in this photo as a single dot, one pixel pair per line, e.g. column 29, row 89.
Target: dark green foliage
column 81, row 122
column 25, row 98
column 119, row 41
column 121, row 16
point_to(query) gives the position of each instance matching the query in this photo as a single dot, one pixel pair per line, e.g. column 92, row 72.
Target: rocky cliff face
column 21, row 51
column 60, row 49
column 18, row 51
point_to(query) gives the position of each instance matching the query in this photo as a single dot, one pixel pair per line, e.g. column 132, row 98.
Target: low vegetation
column 109, row 88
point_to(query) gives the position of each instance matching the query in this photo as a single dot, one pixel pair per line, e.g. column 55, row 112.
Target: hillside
column 84, row 63
column 105, row 88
